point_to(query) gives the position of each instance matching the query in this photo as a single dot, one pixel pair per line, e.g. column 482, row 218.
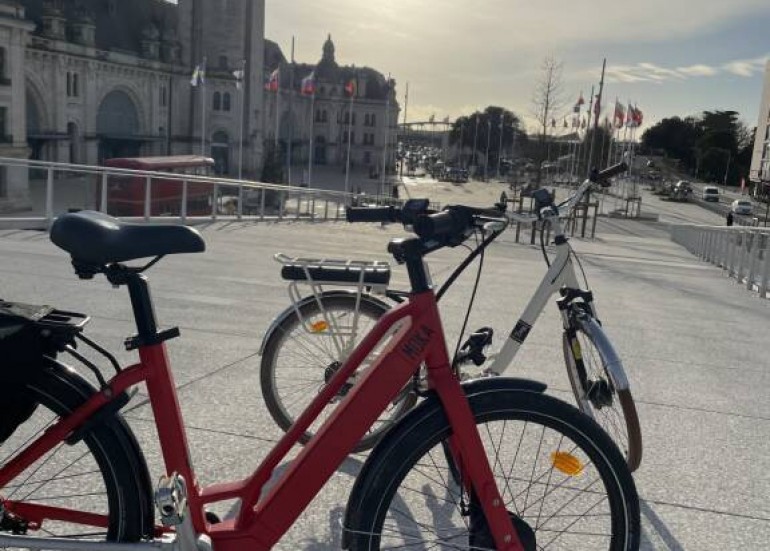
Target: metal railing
column 56, row 188
column 743, row 252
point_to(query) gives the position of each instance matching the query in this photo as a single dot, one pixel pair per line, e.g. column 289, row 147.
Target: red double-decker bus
column 126, row 193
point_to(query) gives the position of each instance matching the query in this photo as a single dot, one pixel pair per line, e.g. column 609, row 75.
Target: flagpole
column 584, row 154
column 475, row 141
column 290, row 138
column 489, row 139
column 203, row 109
column 387, row 136
column 277, row 107
column 312, row 131
column 597, row 109
column 243, row 117
column 500, row 146
column 350, row 128
column 406, row 104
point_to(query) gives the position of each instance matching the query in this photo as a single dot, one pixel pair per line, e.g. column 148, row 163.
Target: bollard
column 240, row 202
column 262, row 204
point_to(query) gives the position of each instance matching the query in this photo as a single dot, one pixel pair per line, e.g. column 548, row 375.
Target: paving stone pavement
column 694, row 344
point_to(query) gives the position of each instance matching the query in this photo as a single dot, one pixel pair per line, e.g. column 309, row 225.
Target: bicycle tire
column 402, row 454
column 621, row 424
column 103, row 473
column 285, row 403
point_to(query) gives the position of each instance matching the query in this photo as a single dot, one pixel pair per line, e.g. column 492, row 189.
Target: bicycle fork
column 468, row 454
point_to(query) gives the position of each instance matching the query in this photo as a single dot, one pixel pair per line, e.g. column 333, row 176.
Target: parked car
column 710, row 193
column 742, row 206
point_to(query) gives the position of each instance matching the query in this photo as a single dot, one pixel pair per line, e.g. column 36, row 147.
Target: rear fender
column 291, row 310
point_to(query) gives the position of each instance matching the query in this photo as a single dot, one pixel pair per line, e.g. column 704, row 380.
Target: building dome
column 328, row 50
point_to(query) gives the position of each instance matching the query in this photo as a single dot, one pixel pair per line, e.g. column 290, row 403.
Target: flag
column 630, row 116
column 620, row 114
column 199, row 75
column 597, row 105
column 239, row 75
column 579, row 104
column 350, row 88
column 638, row 115
column 308, row 84
column 273, row 81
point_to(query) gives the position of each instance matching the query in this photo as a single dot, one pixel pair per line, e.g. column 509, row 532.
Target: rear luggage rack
column 326, row 271
column 63, row 320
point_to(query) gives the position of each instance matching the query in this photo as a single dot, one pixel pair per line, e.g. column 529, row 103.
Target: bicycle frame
column 410, row 334
column 560, row 274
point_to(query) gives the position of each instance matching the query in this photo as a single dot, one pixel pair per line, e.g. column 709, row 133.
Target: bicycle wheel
column 101, row 476
column 563, row 482
column 612, row 409
column 307, row 349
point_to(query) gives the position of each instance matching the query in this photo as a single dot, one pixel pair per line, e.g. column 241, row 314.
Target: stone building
column 375, row 112
column 85, row 80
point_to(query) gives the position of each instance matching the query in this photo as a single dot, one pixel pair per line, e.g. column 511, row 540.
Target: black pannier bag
column 25, row 337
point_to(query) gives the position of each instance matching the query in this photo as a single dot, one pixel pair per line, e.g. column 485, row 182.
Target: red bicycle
column 493, row 464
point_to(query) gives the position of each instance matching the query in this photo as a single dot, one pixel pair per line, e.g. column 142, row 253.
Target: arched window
column 226, row 101
column 217, row 101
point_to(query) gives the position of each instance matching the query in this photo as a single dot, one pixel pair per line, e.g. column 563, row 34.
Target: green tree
column 474, row 129
column 677, row 138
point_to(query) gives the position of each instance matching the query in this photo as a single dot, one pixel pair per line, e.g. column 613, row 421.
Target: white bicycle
column 310, row 340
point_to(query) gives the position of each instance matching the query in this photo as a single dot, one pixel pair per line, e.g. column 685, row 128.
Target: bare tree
column 547, row 101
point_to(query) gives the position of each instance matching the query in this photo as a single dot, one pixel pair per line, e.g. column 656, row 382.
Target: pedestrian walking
column 729, row 218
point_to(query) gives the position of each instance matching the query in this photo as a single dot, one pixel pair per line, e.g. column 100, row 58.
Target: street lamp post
column 727, row 168
column 500, row 148
column 489, row 139
column 475, row 141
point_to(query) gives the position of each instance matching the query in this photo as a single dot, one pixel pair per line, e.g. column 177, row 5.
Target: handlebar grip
column 371, row 214
column 432, row 225
column 609, row 172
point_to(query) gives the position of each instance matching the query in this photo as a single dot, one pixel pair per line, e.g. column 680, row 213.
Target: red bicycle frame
column 418, row 339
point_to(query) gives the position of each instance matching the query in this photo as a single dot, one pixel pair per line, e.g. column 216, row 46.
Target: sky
column 669, row 57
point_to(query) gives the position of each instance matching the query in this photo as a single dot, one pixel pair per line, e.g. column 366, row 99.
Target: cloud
column 698, row 71
column 650, row 72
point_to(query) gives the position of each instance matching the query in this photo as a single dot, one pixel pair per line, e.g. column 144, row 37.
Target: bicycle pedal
column 171, row 499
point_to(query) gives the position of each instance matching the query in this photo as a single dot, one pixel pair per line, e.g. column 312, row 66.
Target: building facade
column 291, row 117
column 759, row 172
column 86, row 80
column 82, row 81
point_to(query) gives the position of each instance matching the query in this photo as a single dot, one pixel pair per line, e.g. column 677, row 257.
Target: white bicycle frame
column 560, row 274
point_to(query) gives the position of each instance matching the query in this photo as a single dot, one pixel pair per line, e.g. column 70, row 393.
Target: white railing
column 56, row 188
column 743, row 252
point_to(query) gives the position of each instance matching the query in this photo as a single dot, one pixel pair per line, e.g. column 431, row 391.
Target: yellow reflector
column 319, row 326
column 576, row 350
column 567, row 463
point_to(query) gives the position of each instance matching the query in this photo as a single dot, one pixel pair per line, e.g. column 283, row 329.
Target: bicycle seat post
column 142, row 307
